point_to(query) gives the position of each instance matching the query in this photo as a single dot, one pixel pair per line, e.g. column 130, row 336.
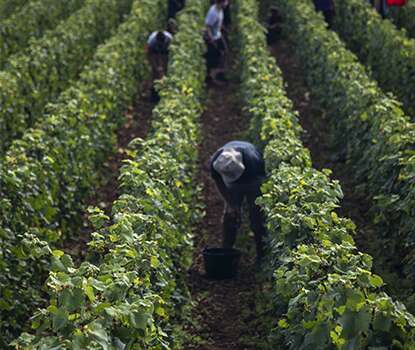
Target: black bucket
column 221, row 263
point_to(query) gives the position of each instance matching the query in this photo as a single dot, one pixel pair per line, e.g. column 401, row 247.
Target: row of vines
column 388, row 52
column 31, row 22
column 46, row 176
column 8, row 7
column 129, row 293
column 325, row 295
column 368, row 125
column 37, row 75
column 63, row 101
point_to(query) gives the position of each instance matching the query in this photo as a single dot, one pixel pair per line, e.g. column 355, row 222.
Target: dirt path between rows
column 316, row 138
column 225, row 310
column 137, row 124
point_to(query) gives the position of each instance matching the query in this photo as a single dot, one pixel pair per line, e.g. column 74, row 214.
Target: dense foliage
column 31, row 22
column 326, row 296
column 46, row 176
column 129, row 292
column 369, row 127
column 7, row 7
column 381, row 46
column 404, row 16
column 39, row 74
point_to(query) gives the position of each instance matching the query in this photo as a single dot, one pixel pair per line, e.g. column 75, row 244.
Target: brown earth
column 225, row 310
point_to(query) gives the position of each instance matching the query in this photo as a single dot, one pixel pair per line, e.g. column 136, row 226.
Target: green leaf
column 72, row 299
column 139, row 320
column 382, row 322
column 354, row 323
column 59, row 319
column 355, row 300
column 283, row 323
column 97, row 331
column 160, row 311
column 154, row 262
column 57, row 253
column 89, row 291
column 376, row 281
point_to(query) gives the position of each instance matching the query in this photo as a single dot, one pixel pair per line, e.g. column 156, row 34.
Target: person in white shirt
column 158, row 54
column 216, row 46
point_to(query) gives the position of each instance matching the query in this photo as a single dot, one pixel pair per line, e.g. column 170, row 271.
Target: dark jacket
column 323, row 5
column 252, row 159
column 174, row 6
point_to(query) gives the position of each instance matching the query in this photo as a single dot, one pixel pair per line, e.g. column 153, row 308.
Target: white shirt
column 152, row 39
column 214, row 20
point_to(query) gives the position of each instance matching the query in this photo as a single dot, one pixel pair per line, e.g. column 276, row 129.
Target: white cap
column 229, row 165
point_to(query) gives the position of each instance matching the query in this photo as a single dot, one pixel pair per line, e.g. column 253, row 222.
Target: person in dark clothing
column 238, row 170
column 173, row 7
column 380, row 6
column 327, row 8
column 273, row 26
column 227, row 19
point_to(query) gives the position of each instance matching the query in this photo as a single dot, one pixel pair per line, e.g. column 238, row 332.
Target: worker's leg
column 231, row 219
column 231, row 222
column 222, row 54
column 152, row 57
column 155, row 62
column 164, row 63
column 211, row 59
column 257, row 220
column 159, row 62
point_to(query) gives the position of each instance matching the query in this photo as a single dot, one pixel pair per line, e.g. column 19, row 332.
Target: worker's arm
column 209, row 34
column 223, row 190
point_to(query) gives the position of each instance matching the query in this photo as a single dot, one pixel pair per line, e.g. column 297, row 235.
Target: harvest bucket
column 221, row 263
column 396, row 2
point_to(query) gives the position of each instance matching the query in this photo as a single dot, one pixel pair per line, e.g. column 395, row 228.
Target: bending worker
column 158, row 53
column 238, row 170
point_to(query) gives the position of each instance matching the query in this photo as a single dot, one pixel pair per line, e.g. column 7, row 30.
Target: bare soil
column 137, row 124
column 225, row 310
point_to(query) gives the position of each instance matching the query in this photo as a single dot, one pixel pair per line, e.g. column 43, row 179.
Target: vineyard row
column 325, row 294
column 46, row 177
column 31, row 22
column 38, row 75
column 130, row 294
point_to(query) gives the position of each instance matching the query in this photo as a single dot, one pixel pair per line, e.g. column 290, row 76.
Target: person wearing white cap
column 238, row 170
